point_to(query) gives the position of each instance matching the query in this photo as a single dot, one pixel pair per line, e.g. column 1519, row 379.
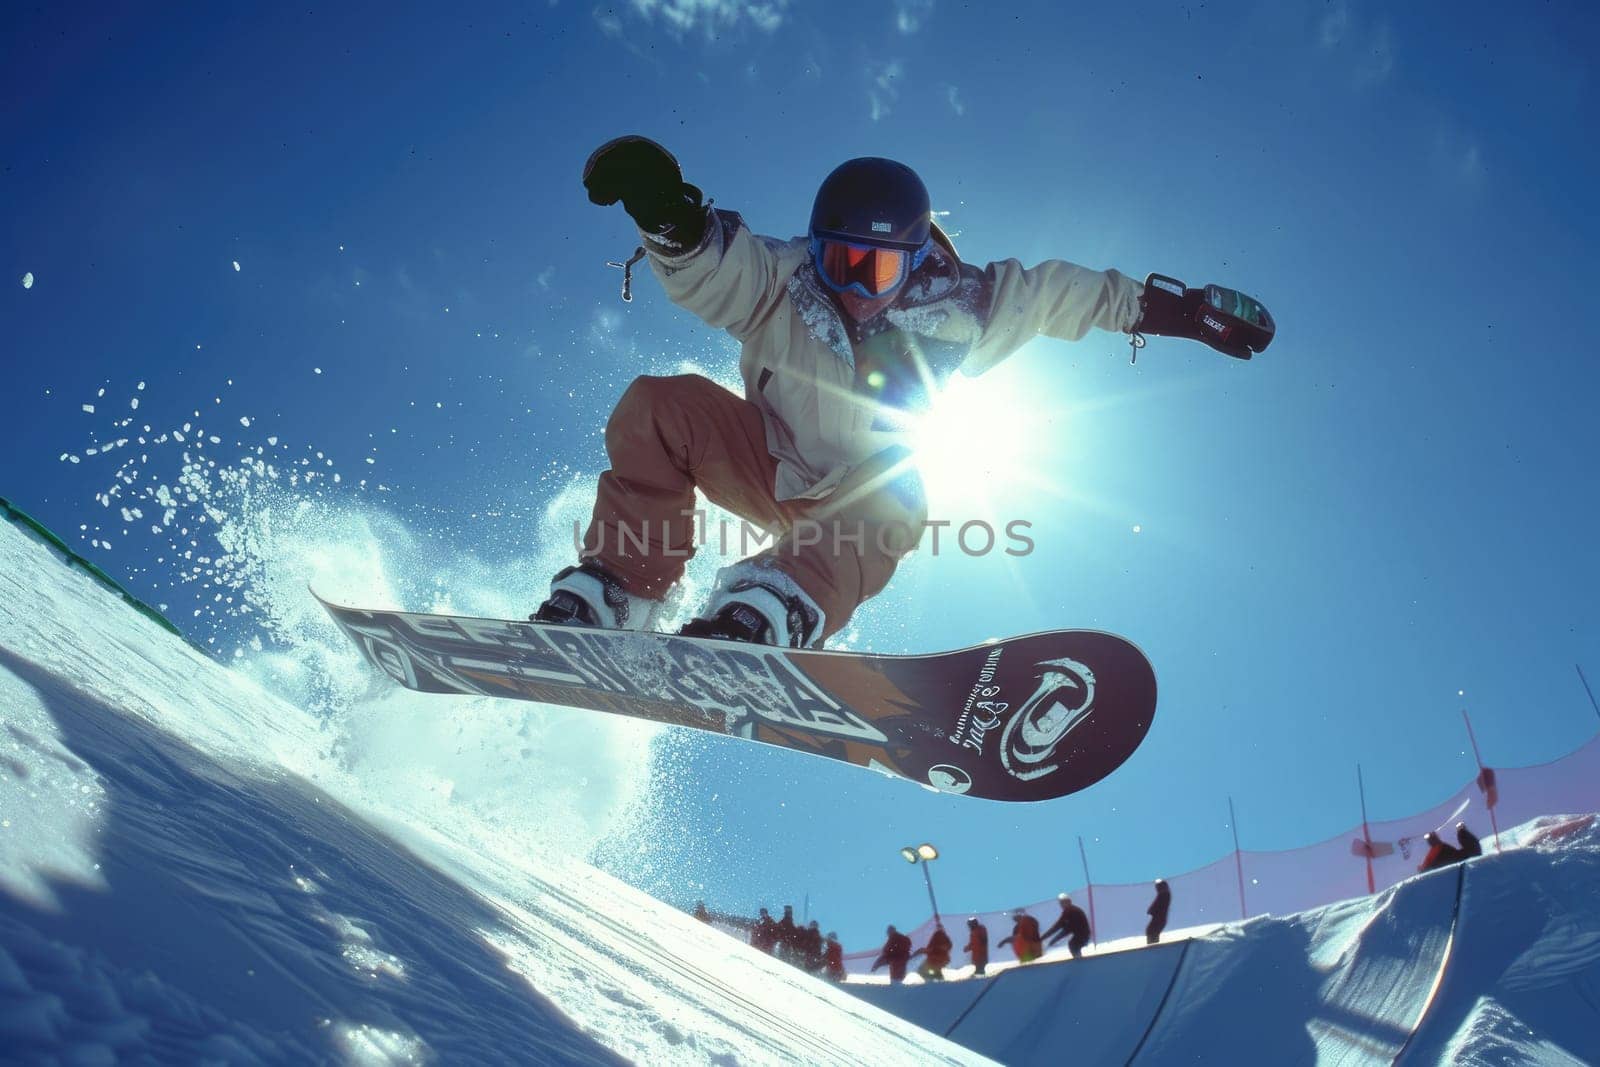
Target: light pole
column 924, row 854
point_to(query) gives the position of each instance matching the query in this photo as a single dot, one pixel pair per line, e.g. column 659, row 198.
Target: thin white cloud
column 884, row 89
column 1369, row 47
column 953, row 95
column 1458, row 157
column 712, row 16
column 1377, row 61
column 1333, row 26
column 910, row 14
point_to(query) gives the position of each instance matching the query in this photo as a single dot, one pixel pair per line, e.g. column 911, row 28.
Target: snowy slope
column 187, row 873
column 1494, row 962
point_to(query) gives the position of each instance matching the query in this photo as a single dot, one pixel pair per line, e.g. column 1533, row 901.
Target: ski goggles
column 865, row 270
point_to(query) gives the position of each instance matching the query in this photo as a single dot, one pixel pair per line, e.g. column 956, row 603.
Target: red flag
column 1373, row 850
column 1491, row 794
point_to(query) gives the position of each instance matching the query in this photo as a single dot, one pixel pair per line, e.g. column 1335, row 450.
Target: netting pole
column 1238, row 859
column 1586, row 689
column 1366, row 834
column 1477, row 758
column 1094, row 938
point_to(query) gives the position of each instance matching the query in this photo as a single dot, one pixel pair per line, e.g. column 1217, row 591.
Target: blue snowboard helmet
column 870, row 226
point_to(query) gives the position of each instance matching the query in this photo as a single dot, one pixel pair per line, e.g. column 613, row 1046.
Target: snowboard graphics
column 1026, row 718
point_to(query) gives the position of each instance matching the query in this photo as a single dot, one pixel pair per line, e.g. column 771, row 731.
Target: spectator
column 809, row 943
column 1024, row 939
column 896, row 951
column 1158, row 912
column 1072, row 924
column 977, row 945
column 700, row 911
column 787, row 935
column 937, row 953
column 764, row 933
column 1470, row 845
column 1439, row 853
column 833, row 958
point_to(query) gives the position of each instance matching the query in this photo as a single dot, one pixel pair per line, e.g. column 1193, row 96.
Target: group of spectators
column 1443, row 855
column 1027, row 941
column 801, row 946
column 805, row 947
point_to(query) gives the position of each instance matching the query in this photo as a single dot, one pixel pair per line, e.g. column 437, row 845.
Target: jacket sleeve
column 1056, row 298
column 733, row 279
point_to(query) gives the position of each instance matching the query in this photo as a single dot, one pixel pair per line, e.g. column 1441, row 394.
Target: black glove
column 1226, row 319
column 645, row 177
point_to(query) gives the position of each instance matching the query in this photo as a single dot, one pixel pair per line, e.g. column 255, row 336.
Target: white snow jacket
column 802, row 364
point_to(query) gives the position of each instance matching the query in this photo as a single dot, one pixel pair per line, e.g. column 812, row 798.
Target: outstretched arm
column 1065, row 301
column 1056, row 298
column 707, row 260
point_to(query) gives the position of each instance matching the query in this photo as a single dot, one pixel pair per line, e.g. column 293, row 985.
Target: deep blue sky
column 1396, row 503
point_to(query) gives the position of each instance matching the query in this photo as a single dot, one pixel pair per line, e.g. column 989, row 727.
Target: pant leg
column 843, row 549
column 667, row 436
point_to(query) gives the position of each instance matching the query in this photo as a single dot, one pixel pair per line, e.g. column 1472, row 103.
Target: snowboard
column 1021, row 719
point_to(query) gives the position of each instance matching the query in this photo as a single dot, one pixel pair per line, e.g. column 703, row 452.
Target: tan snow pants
column 672, row 435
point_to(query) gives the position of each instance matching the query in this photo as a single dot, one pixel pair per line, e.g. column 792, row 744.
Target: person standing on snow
column 843, row 334
column 1024, row 938
column 764, row 932
column 1158, row 912
column 977, row 946
column 896, row 951
column 809, row 940
column 787, row 934
column 833, row 958
column 936, row 953
column 1439, row 853
column 1072, row 924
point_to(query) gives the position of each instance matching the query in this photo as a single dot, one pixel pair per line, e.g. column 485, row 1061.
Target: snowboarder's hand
column 648, row 181
column 630, row 168
column 1226, row 319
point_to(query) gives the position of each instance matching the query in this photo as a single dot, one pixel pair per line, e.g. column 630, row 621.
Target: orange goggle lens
column 874, row 270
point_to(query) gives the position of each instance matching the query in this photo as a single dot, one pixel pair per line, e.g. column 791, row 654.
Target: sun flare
column 981, row 444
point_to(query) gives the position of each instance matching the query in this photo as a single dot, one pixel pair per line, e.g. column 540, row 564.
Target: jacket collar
column 921, row 309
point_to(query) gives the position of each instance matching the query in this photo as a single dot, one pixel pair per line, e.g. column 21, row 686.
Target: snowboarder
column 1439, row 853
column 833, row 958
column 1024, row 938
column 977, row 946
column 1072, row 924
column 844, row 334
column 1158, row 912
column 1470, row 845
column 936, row 953
column 896, row 951
column 700, row 911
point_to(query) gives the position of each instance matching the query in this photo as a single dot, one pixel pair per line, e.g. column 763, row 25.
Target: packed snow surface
column 188, row 873
column 194, row 869
column 1496, row 961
